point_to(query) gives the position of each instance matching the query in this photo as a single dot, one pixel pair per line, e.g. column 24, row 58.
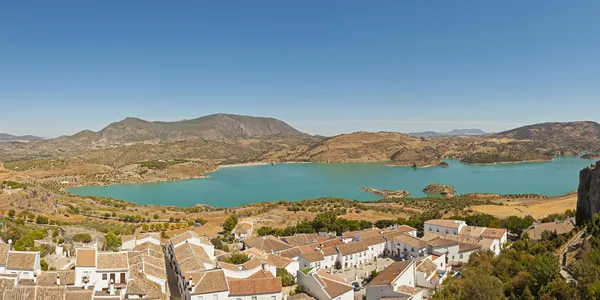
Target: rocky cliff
column 588, row 194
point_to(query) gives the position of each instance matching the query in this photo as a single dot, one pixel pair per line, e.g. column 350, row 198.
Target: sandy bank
column 243, row 165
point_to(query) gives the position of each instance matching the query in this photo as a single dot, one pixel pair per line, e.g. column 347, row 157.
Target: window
column 429, row 228
column 104, row 277
column 254, row 298
column 461, row 256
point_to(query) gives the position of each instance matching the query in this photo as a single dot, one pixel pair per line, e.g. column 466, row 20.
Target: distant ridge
column 455, row 132
column 215, row 127
column 5, row 137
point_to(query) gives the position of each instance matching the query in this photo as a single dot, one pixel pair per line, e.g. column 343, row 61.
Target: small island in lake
column 386, row 193
column 439, row 189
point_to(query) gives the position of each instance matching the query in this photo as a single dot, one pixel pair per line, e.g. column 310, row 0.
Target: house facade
column 322, row 285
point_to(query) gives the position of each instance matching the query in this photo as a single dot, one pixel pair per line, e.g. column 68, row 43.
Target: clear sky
column 325, row 67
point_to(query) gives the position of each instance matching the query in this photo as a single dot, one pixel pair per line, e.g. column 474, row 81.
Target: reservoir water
column 229, row 187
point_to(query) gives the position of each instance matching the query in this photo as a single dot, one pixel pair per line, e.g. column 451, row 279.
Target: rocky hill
column 588, row 193
column 562, row 138
column 5, row 137
column 214, row 127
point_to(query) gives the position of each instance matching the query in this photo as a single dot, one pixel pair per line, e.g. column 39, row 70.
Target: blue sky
column 325, row 67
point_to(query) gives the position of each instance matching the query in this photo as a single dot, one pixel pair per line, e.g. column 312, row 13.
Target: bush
column 44, row 265
column 82, row 237
column 237, row 258
column 287, row 279
column 112, row 241
column 41, row 220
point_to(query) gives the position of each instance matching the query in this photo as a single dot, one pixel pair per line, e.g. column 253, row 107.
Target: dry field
column 537, row 209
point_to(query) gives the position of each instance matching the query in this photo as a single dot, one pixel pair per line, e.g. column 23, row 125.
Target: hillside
column 538, row 142
column 561, row 138
column 214, row 127
column 454, row 132
column 5, row 137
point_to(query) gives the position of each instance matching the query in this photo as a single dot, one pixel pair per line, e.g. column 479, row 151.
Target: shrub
column 82, row 237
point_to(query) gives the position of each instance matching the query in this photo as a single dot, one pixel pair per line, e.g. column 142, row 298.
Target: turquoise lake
column 236, row 186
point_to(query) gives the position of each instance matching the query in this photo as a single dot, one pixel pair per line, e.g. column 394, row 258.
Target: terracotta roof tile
column 445, row 223
column 439, row 241
column 49, row 278
column 242, row 228
column 20, row 260
column 79, row 294
column 19, row 293
column 360, row 234
column 188, row 235
column 253, row 263
column 301, row 239
column 279, row 261
column 390, row 273
column 494, row 233
column 329, row 251
column 472, row 231
column 113, row 261
column 140, row 285
column 351, row 248
column 373, row 240
column 259, row 286
column 411, row 241
column 313, row 256
column 212, row 281
column 267, row 243
column 50, row 293
column 85, row 257
column 427, row 266
column 291, row 253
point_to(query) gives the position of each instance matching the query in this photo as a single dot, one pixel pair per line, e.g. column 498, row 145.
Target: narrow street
column 172, row 285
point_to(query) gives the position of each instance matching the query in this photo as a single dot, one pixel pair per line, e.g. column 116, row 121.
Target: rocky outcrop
column 591, row 156
column 386, row 193
column 439, row 189
column 418, row 158
column 588, row 193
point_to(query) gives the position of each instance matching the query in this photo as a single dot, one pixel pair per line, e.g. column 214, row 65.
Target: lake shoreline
column 231, row 188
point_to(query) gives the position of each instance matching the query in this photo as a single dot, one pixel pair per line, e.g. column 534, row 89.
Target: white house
column 406, row 246
column 111, row 267
column 330, row 256
column 352, row 254
column 24, row 263
column 267, row 244
column 190, row 237
column 324, row 286
column 206, row 285
column 243, row 230
column 430, row 273
column 129, row 242
column 375, row 246
column 396, row 281
column 312, row 259
column 444, row 226
column 85, row 267
column 246, row 269
column 260, row 286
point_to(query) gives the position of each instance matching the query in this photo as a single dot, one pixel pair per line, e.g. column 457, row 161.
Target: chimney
column 111, row 287
column 58, row 280
column 190, row 283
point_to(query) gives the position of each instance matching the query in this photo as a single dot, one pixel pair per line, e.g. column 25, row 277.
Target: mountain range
column 455, row 132
column 215, row 127
column 5, row 137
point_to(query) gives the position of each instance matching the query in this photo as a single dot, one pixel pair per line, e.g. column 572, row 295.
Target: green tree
column 156, row 217
column 112, row 241
column 44, row 265
column 11, row 213
column 527, row 295
column 230, row 223
column 237, row 258
column 287, row 279
column 145, row 228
